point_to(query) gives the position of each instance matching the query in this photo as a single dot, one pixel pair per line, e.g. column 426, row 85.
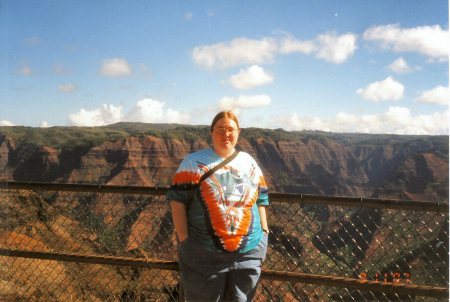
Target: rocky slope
column 407, row 167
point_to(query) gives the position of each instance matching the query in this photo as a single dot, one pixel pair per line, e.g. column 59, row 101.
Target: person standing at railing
column 220, row 218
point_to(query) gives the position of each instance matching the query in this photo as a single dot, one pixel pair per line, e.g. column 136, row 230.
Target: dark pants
column 218, row 276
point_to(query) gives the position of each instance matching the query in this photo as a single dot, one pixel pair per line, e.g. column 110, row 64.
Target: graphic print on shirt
column 222, row 210
column 188, row 179
column 229, row 197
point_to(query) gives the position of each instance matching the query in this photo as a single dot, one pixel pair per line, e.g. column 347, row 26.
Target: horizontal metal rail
column 91, row 259
column 324, row 280
column 360, row 284
column 304, row 199
column 89, row 188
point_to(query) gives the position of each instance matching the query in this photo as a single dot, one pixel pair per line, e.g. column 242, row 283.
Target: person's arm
column 263, row 218
column 179, row 217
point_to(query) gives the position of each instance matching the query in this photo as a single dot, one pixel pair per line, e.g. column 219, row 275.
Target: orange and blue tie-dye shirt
column 223, row 211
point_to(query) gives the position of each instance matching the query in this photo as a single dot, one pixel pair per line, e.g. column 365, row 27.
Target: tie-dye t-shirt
column 223, row 211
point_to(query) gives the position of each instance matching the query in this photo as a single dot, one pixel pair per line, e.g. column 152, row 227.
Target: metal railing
column 114, row 243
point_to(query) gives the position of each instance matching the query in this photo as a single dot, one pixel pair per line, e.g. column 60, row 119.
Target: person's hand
column 182, row 239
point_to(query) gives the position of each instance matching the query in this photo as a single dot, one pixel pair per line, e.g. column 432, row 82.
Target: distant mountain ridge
column 315, row 162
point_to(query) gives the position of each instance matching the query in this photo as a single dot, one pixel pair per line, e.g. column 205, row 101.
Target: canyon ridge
column 308, row 162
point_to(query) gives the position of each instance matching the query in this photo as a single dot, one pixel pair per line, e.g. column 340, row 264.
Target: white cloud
column 336, row 49
column 105, row 115
column 329, row 47
column 242, row 51
column 44, row 124
column 145, row 111
column 386, row 90
column 24, row 69
column 244, row 101
column 116, row 67
column 397, row 120
column 438, row 95
column 250, row 77
column 431, row 41
column 6, row 123
column 400, row 66
column 67, row 88
column 239, row 51
column 153, row 111
column 291, row 45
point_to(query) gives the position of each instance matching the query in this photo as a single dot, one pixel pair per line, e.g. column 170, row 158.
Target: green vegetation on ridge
column 72, row 137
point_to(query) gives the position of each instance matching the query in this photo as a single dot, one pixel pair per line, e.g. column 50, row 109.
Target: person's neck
column 224, row 154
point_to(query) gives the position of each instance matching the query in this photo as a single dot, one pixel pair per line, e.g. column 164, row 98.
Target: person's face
column 224, row 136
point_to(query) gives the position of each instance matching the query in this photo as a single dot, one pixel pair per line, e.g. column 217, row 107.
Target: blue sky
column 340, row 66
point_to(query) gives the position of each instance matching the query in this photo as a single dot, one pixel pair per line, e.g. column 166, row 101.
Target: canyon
column 308, row 162
column 330, row 240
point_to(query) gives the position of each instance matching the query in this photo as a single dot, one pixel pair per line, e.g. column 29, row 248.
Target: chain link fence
column 87, row 243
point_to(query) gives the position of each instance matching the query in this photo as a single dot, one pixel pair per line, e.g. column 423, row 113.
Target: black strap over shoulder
column 217, row 167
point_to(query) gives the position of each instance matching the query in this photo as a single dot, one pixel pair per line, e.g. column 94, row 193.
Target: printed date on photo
column 393, row 277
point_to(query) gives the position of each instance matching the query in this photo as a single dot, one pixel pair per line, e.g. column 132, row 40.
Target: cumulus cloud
column 244, row 101
column 335, row 49
column 153, row 111
column 387, row 90
column 105, row 115
column 67, row 88
column 145, row 111
column 329, row 47
column 438, row 95
column 116, row 67
column 6, row 123
column 400, row 66
column 44, row 124
column 242, row 51
column 432, row 41
column 24, row 69
column 291, row 45
column 250, row 77
column 239, row 51
column 397, row 120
